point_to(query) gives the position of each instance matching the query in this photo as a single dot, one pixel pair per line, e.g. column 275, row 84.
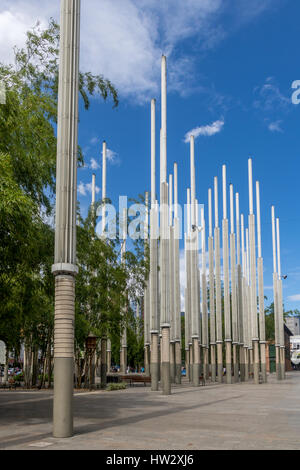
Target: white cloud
column 94, row 165
column 82, row 189
column 112, row 157
column 85, row 188
column 94, row 141
column 18, row 17
column 294, row 298
column 207, row 130
column 269, row 97
column 275, row 126
column 124, row 39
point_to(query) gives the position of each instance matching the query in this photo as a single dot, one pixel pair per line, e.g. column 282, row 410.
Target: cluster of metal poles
column 225, row 336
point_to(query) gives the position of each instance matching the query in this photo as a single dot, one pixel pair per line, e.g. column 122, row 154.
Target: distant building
column 295, row 342
column 293, row 324
column 271, row 352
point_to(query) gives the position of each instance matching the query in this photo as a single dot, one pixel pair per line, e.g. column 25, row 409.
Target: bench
column 136, row 379
column 9, row 385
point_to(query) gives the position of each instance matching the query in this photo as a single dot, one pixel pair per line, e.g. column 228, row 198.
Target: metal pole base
column 177, row 363
column 147, row 359
column 213, row 362
column 154, row 366
column 256, row 362
column 187, row 364
column 172, row 362
column 191, row 363
column 228, row 363
column 63, row 397
column 263, row 362
column 165, row 363
column 196, row 364
column 235, row 364
column 220, row 362
column 282, row 363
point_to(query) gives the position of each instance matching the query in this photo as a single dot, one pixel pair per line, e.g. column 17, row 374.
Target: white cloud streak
column 275, row 126
column 294, row 298
column 94, row 165
column 207, row 131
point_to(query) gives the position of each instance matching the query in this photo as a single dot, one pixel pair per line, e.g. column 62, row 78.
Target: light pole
column 64, row 268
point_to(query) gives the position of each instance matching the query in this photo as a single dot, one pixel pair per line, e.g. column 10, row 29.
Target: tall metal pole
column 227, row 322
column 164, row 243
column 218, row 287
column 153, row 277
column 253, row 291
column 188, row 294
column 105, row 342
column 123, row 351
column 153, row 152
column 64, row 268
column 275, row 289
column 245, row 301
column 280, row 306
column 234, row 306
column 240, row 291
column 204, row 300
column 212, row 311
column 146, row 294
column 261, row 300
column 177, row 300
column 194, row 271
column 93, row 355
column 248, row 304
column 104, row 161
column 171, row 282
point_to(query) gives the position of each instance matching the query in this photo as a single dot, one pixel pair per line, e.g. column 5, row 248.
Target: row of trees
column 27, row 196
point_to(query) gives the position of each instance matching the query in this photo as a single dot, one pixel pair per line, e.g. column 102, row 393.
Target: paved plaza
column 240, row 416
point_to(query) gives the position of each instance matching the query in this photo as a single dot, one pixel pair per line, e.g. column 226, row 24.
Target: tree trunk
column 78, row 368
column 86, row 370
column 5, row 378
column 34, row 376
column 44, row 362
column 49, row 364
column 28, row 364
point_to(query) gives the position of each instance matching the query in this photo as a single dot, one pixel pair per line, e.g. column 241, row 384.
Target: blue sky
column 231, row 61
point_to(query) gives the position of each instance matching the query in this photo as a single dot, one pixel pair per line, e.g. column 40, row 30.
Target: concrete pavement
column 217, row 416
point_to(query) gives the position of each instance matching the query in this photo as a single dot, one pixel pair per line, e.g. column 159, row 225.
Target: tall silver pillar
column 64, row 268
